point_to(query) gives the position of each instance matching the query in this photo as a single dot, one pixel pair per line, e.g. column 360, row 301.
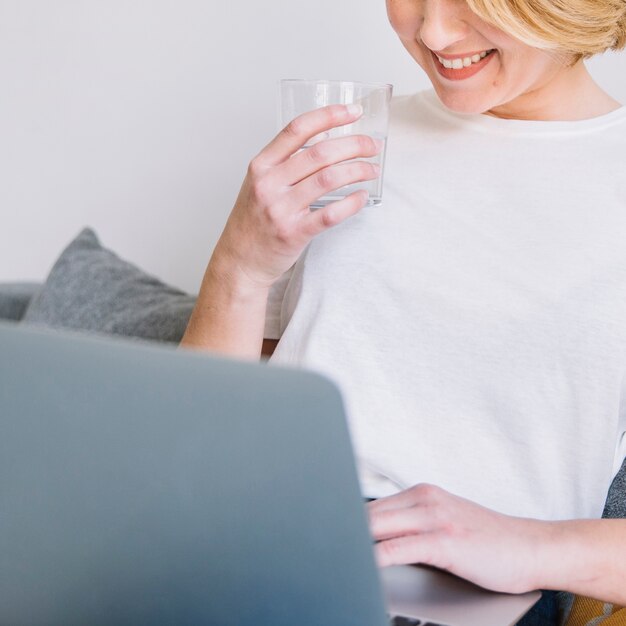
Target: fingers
column 296, row 134
column 410, row 526
column 400, row 500
column 332, row 178
column 335, row 213
column 399, row 522
column 427, row 549
column 326, row 153
column 421, row 494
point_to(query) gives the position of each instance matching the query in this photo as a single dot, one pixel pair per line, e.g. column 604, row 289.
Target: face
column 511, row 80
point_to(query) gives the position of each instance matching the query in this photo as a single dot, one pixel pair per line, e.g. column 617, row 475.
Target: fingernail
column 354, row 109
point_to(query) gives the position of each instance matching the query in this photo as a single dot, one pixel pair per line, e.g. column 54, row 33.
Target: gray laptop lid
column 144, row 485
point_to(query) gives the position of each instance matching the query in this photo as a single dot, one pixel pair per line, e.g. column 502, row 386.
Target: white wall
column 138, row 117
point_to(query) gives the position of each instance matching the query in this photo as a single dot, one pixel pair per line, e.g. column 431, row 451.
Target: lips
column 463, row 73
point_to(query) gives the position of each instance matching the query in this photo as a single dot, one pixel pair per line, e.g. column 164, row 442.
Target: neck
column 570, row 95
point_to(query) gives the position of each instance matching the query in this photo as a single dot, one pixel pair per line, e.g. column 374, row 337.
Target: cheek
column 522, row 68
column 403, row 18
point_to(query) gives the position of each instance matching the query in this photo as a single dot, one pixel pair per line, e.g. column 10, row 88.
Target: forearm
column 229, row 315
column 586, row 557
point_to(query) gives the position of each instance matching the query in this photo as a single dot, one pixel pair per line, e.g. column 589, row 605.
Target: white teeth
column 457, row 64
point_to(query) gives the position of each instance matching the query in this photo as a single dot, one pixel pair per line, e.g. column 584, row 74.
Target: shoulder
column 415, row 123
column 405, row 106
column 421, row 113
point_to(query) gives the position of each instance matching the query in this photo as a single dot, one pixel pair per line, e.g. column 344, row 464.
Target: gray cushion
column 616, row 501
column 14, row 298
column 91, row 289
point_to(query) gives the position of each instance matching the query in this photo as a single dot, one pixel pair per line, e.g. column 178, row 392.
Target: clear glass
column 298, row 96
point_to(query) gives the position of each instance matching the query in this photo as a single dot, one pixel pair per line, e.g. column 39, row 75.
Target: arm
column 588, row 558
column 229, row 315
column 428, row 525
column 271, row 224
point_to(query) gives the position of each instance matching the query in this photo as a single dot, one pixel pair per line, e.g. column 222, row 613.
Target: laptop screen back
column 142, row 485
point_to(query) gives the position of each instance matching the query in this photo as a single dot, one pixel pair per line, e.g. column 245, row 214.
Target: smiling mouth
column 461, row 62
column 462, row 68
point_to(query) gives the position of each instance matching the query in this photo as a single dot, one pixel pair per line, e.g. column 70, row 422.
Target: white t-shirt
column 476, row 321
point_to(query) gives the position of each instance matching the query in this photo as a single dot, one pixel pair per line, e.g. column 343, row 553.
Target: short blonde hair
column 578, row 28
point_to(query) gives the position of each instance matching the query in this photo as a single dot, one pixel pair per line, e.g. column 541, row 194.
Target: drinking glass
column 297, row 96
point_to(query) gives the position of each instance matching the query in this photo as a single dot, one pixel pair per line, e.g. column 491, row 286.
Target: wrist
column 229, row 314
column 565, row 559
column 227, row 274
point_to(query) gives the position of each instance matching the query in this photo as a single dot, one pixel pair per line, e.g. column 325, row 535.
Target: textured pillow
column 91, row 289
column 14, row 298
column 616, row 500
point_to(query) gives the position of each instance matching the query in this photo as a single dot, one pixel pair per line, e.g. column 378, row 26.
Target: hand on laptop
column 428, row 525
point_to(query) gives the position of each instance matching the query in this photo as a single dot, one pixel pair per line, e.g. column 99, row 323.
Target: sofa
column 91, row 289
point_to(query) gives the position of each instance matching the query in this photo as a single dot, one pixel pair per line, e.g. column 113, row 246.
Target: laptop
column 141, row 484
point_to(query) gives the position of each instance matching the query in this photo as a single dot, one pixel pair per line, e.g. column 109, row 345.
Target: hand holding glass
column 299, row 96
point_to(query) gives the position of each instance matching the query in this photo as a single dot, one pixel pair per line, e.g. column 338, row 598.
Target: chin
column 464, row 102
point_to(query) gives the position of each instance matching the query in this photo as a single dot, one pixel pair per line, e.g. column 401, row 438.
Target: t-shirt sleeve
column 273, row 328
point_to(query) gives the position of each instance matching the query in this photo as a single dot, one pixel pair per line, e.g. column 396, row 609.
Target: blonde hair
column 573, row 28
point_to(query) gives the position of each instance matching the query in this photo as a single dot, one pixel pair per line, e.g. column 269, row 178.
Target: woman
column 476, row 321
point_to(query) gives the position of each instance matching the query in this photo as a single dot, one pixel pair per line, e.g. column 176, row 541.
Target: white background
column 139, row 117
